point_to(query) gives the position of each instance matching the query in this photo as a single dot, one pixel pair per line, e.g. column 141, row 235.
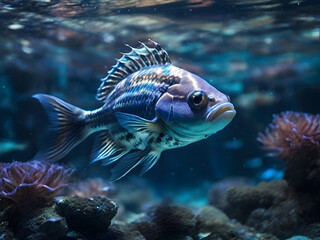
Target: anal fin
column 106, row 149
column 126, row 164
column 148, row 158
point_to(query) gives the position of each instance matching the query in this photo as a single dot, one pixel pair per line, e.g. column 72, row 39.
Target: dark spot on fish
column 121, row 138
column 205, row 135
column 169, row 139
column 150, row 141
column 163, row 88
column 159, row 138
column 129, row 136
column 176, row 143
column 163, row 78
column 171, row 80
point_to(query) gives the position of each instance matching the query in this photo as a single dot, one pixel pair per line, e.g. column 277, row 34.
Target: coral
column 168, row 222
column 273, row 207
column 93, row 187
column 33, row 184
column 212, row 219
column 295, row 137
column 87, row 215
column 229, row 235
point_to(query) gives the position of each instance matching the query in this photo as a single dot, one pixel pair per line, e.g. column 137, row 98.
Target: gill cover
column 184, row 101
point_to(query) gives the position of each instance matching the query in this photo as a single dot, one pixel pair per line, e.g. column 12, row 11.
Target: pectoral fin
column 136, row 124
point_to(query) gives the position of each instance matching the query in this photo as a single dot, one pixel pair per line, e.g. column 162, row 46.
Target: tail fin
column 67, row 125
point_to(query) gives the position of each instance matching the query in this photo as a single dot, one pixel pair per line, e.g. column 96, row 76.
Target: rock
column 218, row 189
column 48, row 225
column 87, row 215
column 282, row 220
column 173, row 220
column 241, row 201
column 168, row 222
column 275, row 208
column 212, row 219
column 312, row 230
column 148, row 229
column 54, row 226
column 229, row 235
column 299, row 238
column 72, row 235
column 5, row 232
column 122, row 232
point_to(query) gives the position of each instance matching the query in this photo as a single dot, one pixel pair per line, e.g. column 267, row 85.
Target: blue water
column 263, row 54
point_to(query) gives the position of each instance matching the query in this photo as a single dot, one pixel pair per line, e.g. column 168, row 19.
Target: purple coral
column 31, row 183
column 295, row 137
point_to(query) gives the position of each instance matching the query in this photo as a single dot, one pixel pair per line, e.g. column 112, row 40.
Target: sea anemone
column 31, row 184
column 295, row 138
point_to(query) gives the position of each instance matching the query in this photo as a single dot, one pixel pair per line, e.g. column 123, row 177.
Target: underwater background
column 264, row 54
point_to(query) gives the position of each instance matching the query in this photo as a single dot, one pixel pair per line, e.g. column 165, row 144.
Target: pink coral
column 291, row 130
column 31, row 183
column 295, row 137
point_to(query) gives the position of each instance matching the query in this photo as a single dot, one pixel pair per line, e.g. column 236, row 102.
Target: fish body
column 149, row 106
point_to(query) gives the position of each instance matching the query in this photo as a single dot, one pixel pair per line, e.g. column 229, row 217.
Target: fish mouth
column 221, row 110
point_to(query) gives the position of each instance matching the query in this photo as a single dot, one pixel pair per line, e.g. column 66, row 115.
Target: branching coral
column 295, row 137
column 31, row 183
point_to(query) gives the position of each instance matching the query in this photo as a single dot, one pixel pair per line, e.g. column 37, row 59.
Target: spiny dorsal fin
column 131, row 62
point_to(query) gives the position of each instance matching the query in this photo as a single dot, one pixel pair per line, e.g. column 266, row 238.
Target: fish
column 148, row 106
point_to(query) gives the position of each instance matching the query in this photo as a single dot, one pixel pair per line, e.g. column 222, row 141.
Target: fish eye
column 197, row 99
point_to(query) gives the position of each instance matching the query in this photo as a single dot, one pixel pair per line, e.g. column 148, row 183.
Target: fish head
column 193, row 107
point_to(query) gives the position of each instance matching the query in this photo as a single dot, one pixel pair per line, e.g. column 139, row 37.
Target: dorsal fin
column 131, row 62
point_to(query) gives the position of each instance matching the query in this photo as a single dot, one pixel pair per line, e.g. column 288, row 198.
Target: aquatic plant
column 31, row 183
column 295, row 138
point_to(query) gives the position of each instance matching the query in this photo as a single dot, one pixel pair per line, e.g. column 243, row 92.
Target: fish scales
column 149, row 106
column 140, row 93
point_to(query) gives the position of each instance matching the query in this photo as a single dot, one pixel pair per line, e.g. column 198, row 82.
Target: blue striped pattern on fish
column 149, row 106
